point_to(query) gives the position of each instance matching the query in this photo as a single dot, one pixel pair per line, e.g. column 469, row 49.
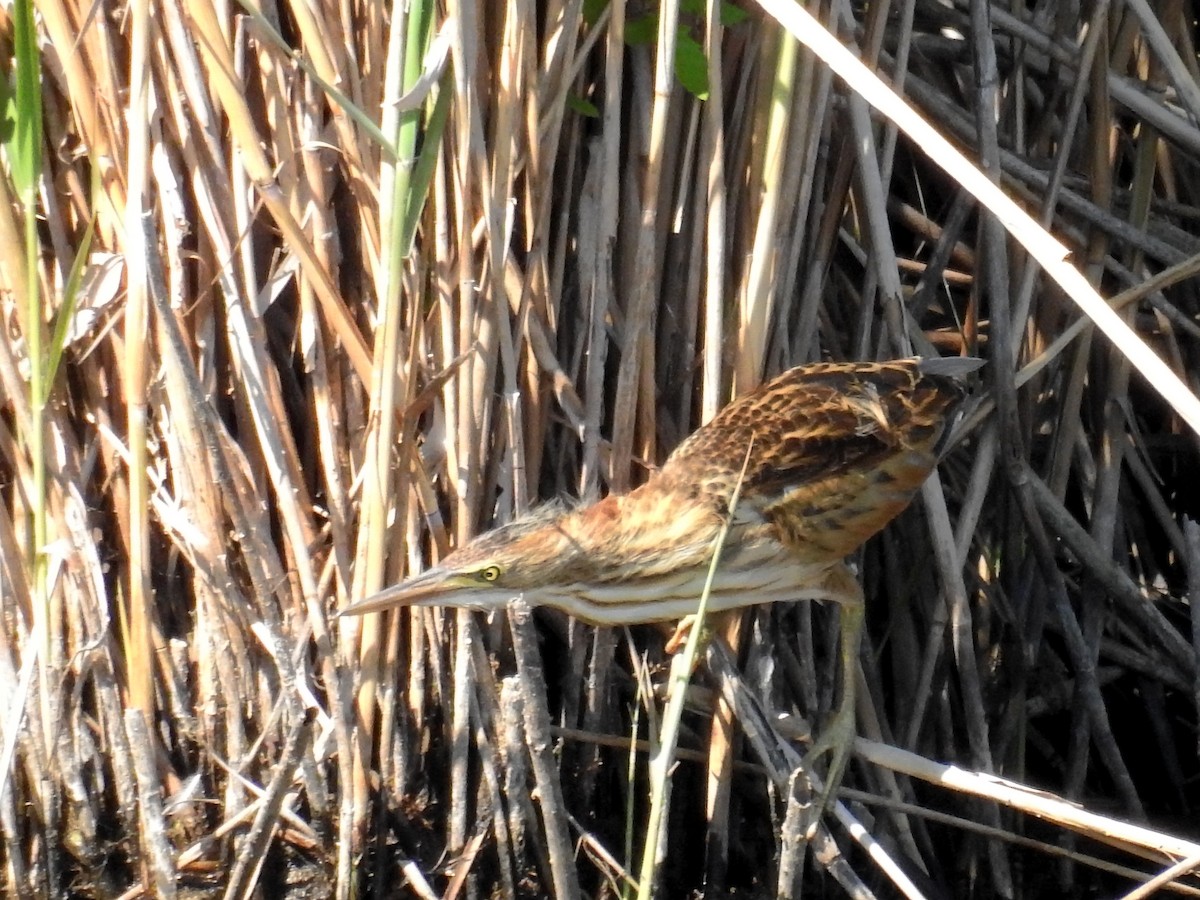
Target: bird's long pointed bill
column 427, row 589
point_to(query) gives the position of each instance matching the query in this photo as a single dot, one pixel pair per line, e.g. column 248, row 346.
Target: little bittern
column 832, row 453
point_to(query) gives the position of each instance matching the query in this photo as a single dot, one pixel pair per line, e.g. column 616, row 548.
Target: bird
column 822, row 457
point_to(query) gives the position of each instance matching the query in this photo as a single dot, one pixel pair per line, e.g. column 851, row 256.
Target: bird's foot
column 836, row 740
column 678, row 640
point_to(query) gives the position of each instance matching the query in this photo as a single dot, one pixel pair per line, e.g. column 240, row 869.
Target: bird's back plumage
column 832, row 451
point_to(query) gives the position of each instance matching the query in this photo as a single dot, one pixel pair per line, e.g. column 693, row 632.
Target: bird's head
column 531, row 553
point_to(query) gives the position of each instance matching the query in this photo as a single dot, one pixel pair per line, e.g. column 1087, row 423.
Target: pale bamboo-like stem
column 636, row 369
column 758, row 300
column 140, row 648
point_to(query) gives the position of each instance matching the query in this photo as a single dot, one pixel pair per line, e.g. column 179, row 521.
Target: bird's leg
column 679, row 636
column 837, row 737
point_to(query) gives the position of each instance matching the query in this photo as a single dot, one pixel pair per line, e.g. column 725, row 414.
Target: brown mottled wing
column 838, row 449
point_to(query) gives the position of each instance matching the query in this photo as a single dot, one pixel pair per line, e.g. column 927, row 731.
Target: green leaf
column 66, row 312
column 733, row 15
column 8, row 113
column 592, row 10
column 691, row 65
column 27, row 143
column 642, row 30
column 422, row 176
column 583, row 106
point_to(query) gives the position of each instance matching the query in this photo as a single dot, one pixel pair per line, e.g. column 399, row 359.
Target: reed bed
column 298, row 297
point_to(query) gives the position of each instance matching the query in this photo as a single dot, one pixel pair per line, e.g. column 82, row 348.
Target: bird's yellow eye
column 489, row 574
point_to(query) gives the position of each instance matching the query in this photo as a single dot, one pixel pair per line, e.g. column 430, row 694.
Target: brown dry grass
column 269, row 406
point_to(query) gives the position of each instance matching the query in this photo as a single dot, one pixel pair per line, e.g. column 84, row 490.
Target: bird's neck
column 635, row 528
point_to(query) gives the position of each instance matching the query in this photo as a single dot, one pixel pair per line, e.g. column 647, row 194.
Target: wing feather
column 835, row 449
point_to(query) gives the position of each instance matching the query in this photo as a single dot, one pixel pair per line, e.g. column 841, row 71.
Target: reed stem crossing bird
column 831, row 452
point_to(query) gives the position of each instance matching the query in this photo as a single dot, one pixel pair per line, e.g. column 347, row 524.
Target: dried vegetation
column 297, row 365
